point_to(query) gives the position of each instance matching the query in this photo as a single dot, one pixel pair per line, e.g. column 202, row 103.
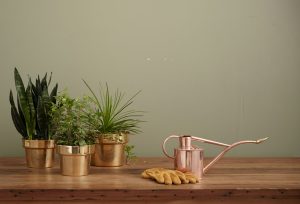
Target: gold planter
column 75, row 160
column 110, row 150
column 39, row 153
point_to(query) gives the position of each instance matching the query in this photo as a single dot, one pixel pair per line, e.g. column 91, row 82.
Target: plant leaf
column 42, row 118
column 21, row 113
column 112, row 114
column 34, row 94
column 81, row 142
column 31, row 125
column 46, row 99
column 44, row 81
column 18, row 124
column 50, row 79
column 23, row 100
column 53, row 93
column 17, row 120
column 95, row 96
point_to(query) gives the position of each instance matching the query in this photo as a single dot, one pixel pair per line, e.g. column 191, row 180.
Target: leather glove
column 167, row 176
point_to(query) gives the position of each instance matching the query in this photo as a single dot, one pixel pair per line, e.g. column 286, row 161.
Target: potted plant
column 32, row 120
column 112, row 122
column 72, row 133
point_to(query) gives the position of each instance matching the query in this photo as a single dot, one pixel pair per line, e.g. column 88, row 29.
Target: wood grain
column 232, row 180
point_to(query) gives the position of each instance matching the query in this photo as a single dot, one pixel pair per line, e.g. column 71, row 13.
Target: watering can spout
column 229, row 147
column 261, row 140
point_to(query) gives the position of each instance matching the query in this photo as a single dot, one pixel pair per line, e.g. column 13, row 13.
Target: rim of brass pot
column 75, row 150
column 39, row 144
column 117, row 138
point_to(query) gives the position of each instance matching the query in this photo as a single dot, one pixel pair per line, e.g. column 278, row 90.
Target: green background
column 223, row 70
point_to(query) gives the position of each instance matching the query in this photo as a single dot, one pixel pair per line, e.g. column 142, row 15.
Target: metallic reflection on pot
column 110, row 150
column 39, row 153
column 75, row 160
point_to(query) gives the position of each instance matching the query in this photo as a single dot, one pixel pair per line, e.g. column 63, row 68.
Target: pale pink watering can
column 188, row 158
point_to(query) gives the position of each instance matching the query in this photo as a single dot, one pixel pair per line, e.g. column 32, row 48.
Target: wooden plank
column 159, row 196
column 231, row 180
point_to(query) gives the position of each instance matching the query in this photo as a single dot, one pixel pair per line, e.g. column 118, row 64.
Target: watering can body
column 189, row 161
column 188, row 158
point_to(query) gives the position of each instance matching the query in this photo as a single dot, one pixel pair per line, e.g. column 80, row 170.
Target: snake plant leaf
column 17, row 123
column 20, row 112
column 11, row 99
column 30, row 99
column 53, row 94
column 42, row 118
column 49, row 79
column 38, row 85
column 17, row 120
column 46, row 99
column 32, row 121
column 34, row 90
column 34, row 94
column 46, row 103
column 23, row 100
column 44, row 81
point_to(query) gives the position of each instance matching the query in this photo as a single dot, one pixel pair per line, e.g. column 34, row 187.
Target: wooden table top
column 273, row 177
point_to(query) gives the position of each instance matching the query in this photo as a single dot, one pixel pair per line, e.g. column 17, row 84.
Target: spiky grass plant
column 111, row 113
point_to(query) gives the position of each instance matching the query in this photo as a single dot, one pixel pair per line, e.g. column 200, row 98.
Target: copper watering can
column 188, row 158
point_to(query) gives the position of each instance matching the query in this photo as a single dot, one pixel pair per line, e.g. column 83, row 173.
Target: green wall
column 224, row 70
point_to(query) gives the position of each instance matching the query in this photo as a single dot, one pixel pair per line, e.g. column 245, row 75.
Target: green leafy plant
column 31, row 115
column 111, row 114
column 70, row 121
column 130, row 155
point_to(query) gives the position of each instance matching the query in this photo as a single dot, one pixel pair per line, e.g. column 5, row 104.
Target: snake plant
column 31, row 115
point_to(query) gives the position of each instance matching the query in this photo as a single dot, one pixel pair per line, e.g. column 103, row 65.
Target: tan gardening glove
column 166, row 176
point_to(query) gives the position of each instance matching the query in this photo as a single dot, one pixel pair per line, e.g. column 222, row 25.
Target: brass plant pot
column 110, row 150
column 75, row 160
column 39, row 153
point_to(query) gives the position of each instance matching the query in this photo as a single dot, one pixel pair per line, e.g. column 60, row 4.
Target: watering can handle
column 194, row 138
column 164, row 145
